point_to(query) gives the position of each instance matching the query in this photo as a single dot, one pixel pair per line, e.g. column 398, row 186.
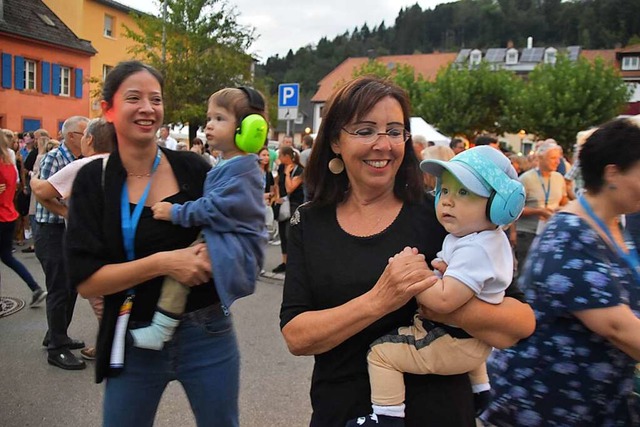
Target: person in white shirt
column 166, row 140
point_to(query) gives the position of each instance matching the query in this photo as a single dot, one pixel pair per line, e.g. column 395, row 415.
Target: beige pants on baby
column 415, row 350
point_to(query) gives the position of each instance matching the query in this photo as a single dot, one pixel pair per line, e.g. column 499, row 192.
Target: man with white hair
column 61, row 298
column 546, row 193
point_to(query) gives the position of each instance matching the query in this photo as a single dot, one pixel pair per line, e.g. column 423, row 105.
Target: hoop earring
column 336, row 165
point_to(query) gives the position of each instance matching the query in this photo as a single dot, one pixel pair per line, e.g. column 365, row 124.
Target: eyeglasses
column 369, row 135
column 77, row 133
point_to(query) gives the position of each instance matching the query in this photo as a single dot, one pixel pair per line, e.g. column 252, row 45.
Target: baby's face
column 460, row 211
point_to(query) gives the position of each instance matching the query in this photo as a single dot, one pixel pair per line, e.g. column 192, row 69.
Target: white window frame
column 550, row 55
column 512, row 56
column 105, row 70
column 30, row 74
column 65, row 81
column 631, row 63
column 109, row 30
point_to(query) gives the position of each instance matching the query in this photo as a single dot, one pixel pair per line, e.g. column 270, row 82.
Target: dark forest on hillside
column 591, row 24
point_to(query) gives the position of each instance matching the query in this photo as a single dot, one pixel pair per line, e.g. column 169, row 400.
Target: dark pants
column 7, row 229
column 61, row 299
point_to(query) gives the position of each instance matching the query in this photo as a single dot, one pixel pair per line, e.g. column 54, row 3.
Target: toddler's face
column 460, row 211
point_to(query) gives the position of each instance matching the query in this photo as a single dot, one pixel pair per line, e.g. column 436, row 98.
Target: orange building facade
column 43, row 69
column 30, row 109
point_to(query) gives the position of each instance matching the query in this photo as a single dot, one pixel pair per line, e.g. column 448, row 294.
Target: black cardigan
column 94, row 234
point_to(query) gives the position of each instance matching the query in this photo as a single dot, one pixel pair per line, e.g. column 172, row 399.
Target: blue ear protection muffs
column 252, row 132
column 507, row 197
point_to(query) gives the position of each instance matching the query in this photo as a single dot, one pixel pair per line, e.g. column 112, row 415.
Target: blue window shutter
column 46, row 77
column 30, row 125
column 78, row 83
column 19, row 73
column 55, row 79
column 6, row 71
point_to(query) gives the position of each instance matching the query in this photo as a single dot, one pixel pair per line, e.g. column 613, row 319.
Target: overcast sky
column 290, row 24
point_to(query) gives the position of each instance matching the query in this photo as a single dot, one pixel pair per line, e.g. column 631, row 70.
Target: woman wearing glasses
column 366, row 204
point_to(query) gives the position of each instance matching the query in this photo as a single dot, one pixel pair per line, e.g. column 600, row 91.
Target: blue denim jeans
column 203, row 355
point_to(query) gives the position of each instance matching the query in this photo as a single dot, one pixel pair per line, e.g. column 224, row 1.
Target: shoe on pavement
column 64, row 359
column 71, row 345
column 88, row 353
column 376, row 420
column 37, row 297
column 280, row 269
column 28, row 250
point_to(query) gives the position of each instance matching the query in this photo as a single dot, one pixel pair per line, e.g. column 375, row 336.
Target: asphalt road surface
column 274, row 388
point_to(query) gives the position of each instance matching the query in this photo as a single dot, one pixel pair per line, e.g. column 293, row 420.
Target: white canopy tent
column 421, row 127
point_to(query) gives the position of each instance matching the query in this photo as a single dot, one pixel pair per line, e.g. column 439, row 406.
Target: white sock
column 390, row 411
column 155, row 335
column 477, row 388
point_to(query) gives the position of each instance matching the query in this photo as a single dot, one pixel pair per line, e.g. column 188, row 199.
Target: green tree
column 205, row 51
column 562, row 99
column 469, row 101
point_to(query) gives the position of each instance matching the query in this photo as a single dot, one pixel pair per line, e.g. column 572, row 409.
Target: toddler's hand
column 407, row 251
column 439, row 266
column 162, row 211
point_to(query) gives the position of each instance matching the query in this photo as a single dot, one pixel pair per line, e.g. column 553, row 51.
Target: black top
column 297, row 197
column 326, row 267
column 268, row 181
column 94, row 239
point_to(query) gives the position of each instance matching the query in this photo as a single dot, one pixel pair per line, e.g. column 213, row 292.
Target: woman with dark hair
column 288, row 184
column 582, row 277
column 115, row 248
column 367, row 203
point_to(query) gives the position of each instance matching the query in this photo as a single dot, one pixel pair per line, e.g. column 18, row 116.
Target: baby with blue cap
column 477, row 192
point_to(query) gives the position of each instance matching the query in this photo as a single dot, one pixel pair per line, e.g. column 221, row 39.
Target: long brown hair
column 352, row 102
column 5, row 157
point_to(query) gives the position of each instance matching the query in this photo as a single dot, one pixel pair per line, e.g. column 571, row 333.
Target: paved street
column 274, row 384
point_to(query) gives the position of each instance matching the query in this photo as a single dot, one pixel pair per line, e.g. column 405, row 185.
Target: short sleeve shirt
column 536, row 188
column 564, row 374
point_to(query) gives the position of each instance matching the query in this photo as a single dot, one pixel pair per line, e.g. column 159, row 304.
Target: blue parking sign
column 288, row 95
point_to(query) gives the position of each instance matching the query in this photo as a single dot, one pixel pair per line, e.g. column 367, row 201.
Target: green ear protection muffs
column 252, row 132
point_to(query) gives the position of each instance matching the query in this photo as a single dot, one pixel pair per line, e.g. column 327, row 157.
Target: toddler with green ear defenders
column 231, row 211
column 476, row 193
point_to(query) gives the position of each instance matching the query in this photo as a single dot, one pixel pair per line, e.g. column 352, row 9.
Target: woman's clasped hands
column 405, row 276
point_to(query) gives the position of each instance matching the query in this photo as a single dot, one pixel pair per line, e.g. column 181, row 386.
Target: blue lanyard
column 130, row 222
column 631, row 257
column 545, row 190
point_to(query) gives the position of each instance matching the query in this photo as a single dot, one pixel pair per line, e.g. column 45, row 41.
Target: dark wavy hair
column 352, row 102
column 120, row 72
column 615, row 143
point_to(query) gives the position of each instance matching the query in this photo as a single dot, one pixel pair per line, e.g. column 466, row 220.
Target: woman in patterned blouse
column 582, row 278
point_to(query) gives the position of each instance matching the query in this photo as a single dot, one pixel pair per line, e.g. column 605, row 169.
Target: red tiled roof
column 634, row 48
column 608, row 55
column 426, row 65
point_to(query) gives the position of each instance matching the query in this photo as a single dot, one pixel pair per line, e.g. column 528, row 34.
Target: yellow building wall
column 86, row 19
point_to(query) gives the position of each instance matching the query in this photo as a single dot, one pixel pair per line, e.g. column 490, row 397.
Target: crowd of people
column 404, row 262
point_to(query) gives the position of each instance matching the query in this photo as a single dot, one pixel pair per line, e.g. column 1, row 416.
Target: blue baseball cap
column 470, row 166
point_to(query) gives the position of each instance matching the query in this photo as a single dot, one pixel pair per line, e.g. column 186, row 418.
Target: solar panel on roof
column 495, row 55
column 463, row 55
column 534, row 54
column 574, row 52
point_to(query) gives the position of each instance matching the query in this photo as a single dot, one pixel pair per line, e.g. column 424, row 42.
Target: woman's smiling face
column 373, row 165
column 137, row 111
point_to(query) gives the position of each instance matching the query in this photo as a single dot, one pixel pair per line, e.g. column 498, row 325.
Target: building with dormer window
column 628, row 60
column 101, row 22
column 43, row 68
